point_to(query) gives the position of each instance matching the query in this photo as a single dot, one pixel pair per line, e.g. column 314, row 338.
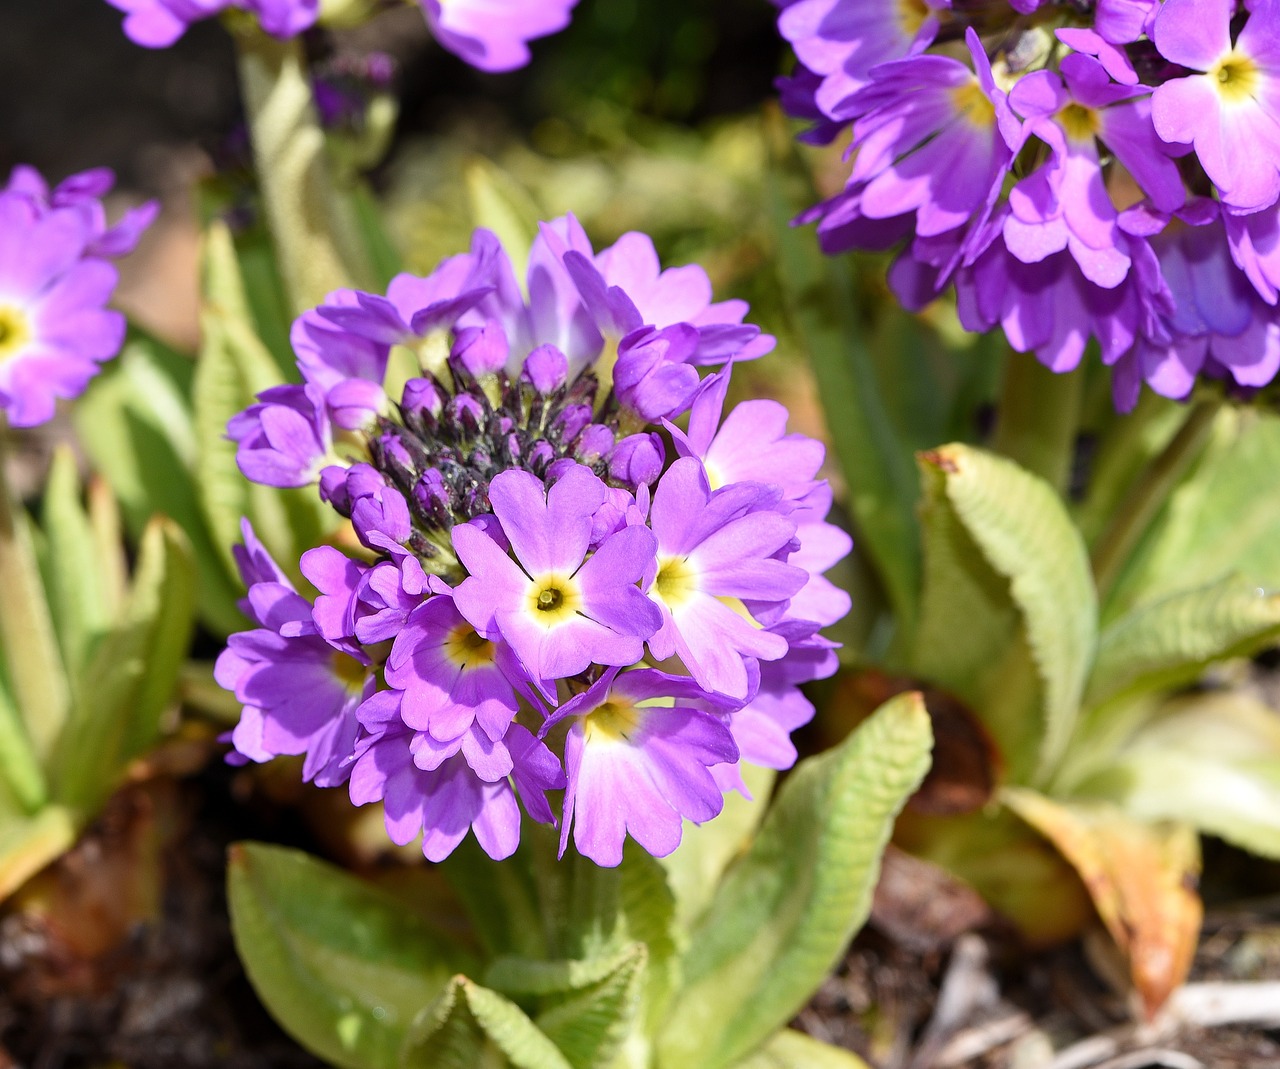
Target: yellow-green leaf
column 1141, row 876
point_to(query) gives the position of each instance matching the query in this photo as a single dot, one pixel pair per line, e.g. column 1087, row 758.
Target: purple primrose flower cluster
column 1103, row 171
column 492, row 35
column 55, row 282
column 558, row 589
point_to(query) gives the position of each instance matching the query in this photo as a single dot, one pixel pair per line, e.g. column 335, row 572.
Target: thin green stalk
column 1130, row 441
column 314, row 227
column 1149, row 493
column 35, row 668
column 1038, row 418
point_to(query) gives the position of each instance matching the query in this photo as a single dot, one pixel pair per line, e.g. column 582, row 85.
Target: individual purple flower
column 452, row 677
column 1064, row 204
column 284, row 440
column 159, row 23
column 638, row 758
column 55, row 328
column 300, row 692
column 713, row 553
column 559, row 610
column 493, row 35
column 1230, row 110
column 83, row 193
column 840, row 41
column 442, row 804
column 1218, row 324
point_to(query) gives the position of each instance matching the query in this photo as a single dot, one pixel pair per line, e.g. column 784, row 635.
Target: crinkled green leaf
column 705, row 851
column 589, row 1023
column 74, row 577
column 343, row 966
column 1211, row 760
column 120, row 696
column 519, row 977
column 1019, row 525
column 1169, row 641
column 785, row 912
column 790, row 1049
column 471, row 1027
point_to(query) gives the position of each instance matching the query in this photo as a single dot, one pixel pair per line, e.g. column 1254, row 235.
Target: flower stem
column 314, row 227
column 1149, row 493
column 1038, row 416
column 31, row 654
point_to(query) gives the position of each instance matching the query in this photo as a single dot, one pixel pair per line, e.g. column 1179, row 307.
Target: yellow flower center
column 348, row 671
column 465, row 648
column 1079, row 122
column 15, row 332
column 911, row 15
column 554, row 599
column 1237, row 76
column 973, row 105
column 615, row 721
column 676, row 581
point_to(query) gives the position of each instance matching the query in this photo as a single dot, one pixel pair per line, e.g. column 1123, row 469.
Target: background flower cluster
column 1104, row 173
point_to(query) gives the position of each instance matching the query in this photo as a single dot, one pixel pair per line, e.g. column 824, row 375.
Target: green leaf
column 1170, row 641
column 20, row 771
column 1222, row 518
column 136, row 423
column 706, row 850
column 1024, row 534
column 234, row 367
column 588, row 1024
column 499, row 203
column 132, row 678
column 1211, row 760
column 471, row 1027
column 818, row 294
column 343, row 967
column 785, row 912
column 500, row 898
column 80, row 604
column 385, row 259
column 29, row 844
column 795, row 1050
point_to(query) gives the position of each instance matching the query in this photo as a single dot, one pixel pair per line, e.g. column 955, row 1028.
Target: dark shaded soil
column 122, row 952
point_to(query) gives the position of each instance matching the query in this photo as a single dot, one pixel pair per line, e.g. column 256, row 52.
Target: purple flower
column 1230, row 110
column 1130, row 100
column 300, row 692
column 83, row 193
column 443, row 803
column 714, row 553
column 55, row 328
column 493, row 35
column 284, row 440
column 507, row 576
column 559, row 610
column 840, row 41
column 1218, row 324
column 637, row 760
column 159, row 23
